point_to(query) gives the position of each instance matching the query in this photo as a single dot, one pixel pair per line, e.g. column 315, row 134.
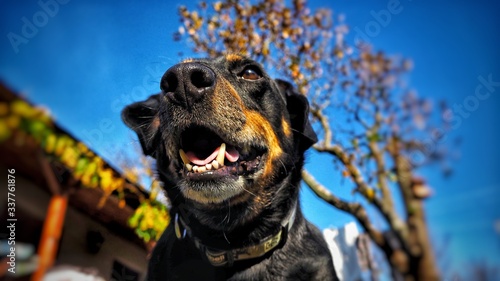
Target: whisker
column 228, row 212
column 249, row 192
column 284, row 167
column 225, row 237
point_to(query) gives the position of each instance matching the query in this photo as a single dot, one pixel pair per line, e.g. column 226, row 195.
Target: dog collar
column 218, row 257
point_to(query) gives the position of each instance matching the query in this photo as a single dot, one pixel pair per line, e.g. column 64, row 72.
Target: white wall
column 73, row 247
column 34, row 201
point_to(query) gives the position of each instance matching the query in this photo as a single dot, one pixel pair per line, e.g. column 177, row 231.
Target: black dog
column 229, row 143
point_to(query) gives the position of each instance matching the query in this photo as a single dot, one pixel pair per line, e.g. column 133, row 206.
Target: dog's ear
column 142, row 117
column 298, row 109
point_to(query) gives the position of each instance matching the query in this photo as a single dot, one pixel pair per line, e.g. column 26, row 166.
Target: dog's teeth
column 189, row 167
column 202, row 169
column 209, row 167
column 222, row 154
column 196, row 169
column 215, row 164
column 184, row 157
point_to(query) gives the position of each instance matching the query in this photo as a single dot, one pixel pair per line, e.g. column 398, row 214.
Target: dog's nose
column 187, row 83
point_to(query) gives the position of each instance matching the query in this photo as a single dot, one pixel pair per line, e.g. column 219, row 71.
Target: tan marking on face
column 155, row 124
column 233, row 57
column 256, row 125
column 187, row 60
column 260, row 127
column 286, row 127
column 254, row 128
column 227, row 109
column 223, row 88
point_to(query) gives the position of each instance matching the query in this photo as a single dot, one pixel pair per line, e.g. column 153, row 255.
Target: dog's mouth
column 205, row 155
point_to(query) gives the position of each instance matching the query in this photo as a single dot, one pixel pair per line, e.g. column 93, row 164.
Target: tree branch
column 378, row 155
column 387, row 210
column 355, row 209
column 403, row 173
column 381, row 174
column 325, row 124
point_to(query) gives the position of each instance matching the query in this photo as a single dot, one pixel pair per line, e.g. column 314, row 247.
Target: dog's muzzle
column 187, row 83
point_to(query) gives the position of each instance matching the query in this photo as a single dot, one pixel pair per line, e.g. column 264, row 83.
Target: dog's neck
column 219, row 228
column 228, row 255
column 248, row 217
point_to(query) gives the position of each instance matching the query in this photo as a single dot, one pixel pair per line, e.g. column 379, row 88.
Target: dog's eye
column 250, row 74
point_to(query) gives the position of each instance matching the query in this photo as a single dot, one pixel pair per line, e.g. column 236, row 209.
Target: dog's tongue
column 231, row 154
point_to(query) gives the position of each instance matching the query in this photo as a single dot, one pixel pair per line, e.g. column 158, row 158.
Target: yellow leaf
column 217, row 6
column 50, row 143
column 106, row 179
column 91, row 169
column 122, row 203
column 4, row 131
column 22, row 108
column 4, row 109
column 82, row 147
column 69, row 157
column 285, row 33
column 100, row 163
column 339, row 54
column 60, row 145
column 13, row 122
column 370, row 193
column 86, row 180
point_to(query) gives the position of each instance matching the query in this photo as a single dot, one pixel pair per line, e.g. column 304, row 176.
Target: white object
column 342, row 245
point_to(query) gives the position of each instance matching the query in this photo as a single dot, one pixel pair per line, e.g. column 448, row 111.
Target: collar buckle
column 219, row 258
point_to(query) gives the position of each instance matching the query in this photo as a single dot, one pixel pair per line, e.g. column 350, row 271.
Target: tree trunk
column 422, row 260
column 416, row 261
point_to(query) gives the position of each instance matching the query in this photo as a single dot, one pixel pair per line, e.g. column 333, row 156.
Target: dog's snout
column 186, row 83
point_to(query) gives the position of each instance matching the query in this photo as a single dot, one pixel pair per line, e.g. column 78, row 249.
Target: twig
column 356, row 209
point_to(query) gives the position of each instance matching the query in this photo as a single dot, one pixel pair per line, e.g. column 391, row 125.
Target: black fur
column 202, row 104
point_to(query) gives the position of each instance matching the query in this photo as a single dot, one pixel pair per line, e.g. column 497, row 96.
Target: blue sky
column 85, row 60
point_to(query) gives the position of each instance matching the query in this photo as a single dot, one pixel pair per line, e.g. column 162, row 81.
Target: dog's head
column 222, row 131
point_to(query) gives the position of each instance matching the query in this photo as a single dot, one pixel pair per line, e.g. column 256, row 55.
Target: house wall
column 74, row 250
column 30, row 199
column 32, row 202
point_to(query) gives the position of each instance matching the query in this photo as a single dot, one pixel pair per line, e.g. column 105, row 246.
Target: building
column 351, row 253
column 59, row 214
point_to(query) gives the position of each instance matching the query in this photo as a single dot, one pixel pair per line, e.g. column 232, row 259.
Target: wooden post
column 51, row 234
column 53, row 223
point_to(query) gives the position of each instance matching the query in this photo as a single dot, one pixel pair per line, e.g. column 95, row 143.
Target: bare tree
column 373, row 127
